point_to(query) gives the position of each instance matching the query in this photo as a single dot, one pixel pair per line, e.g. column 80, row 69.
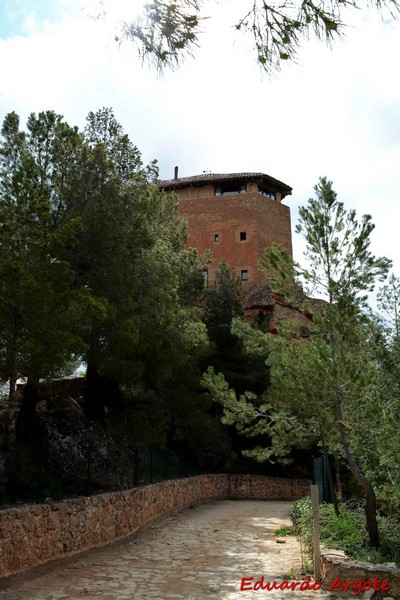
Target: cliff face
column 73, row 446
column 65, row 451
column 68, row 454
column 270, row 310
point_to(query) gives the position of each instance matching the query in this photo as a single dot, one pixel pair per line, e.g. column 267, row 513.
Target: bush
column 300, row 514
column 390, row 539
column 347, row 531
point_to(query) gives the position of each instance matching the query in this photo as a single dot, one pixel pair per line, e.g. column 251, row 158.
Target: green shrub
column 390, row 539
column 284, row 531
column 301, row 512
column 347, row 531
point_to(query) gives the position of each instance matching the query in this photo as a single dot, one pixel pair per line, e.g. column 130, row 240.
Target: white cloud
column 336, row 113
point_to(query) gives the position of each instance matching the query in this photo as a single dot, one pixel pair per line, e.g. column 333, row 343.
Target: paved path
column 199, row 554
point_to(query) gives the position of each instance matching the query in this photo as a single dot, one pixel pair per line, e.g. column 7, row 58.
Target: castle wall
column 263, row 220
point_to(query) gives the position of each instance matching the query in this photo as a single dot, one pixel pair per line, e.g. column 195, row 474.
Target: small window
column 243, row 236
column 205, row 275
column 244, row 275
column 216, row 237
column 230, row 188
column 266, row 194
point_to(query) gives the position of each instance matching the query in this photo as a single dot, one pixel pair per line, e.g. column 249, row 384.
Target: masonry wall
column 31, row 535
column 264, row 220
column 337, row 567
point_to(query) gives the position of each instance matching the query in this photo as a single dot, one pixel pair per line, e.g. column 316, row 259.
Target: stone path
column 199, row 554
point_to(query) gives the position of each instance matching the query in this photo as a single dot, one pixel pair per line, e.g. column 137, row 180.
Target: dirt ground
column 208, row 552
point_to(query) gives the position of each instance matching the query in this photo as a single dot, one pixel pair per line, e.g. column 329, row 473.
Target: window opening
column 266, row 194
column 243, row 236
column 230, row 189
column 244, row 275
column 205, row 275
column 216, row 237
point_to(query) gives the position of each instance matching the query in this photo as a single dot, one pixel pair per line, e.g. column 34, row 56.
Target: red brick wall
column 265, row 221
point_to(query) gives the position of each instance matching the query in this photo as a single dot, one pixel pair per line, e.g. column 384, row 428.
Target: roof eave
column 215, row 179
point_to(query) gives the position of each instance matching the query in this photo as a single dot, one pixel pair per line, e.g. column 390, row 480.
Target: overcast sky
column 335, row 113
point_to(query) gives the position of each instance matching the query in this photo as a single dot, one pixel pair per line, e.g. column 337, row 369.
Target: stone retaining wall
column 336, row 565
column 31, row 535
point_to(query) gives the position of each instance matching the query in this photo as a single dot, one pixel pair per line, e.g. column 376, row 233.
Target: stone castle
column 236, row 216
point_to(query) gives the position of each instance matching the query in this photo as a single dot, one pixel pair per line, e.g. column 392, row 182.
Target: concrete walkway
column 199, row 554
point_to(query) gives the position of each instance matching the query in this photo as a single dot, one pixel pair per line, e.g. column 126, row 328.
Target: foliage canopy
column 170, row 29
column 93, row 258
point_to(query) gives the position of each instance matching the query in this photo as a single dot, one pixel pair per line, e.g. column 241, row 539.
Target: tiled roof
column 216, row 178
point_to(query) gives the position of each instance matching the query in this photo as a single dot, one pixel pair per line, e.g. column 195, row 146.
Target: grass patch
column 291, row 575
column 285, row 530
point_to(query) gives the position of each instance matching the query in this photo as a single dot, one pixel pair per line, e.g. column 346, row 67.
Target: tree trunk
column 92, row 391
column 370, row 507
column 12, row 370
column 12, row 437
column 28, row 407
column 101, row 391
column 332, row 489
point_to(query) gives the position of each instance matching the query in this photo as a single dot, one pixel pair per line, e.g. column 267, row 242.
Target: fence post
column 315, row 503
column 180, row 467
column 166, row 463
column 40, row 472
column 192, row 464
column 89, row 468
column 135, row 475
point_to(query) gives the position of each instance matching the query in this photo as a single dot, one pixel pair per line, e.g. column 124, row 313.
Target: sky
column 334, row 113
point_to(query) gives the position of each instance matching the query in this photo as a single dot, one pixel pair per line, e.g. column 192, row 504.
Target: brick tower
column 236, row 216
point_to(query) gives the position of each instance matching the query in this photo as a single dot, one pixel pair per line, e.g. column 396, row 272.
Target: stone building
column 235, row 215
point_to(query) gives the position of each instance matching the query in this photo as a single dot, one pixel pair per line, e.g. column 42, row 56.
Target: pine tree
column 319, row 383
column 168, row 30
